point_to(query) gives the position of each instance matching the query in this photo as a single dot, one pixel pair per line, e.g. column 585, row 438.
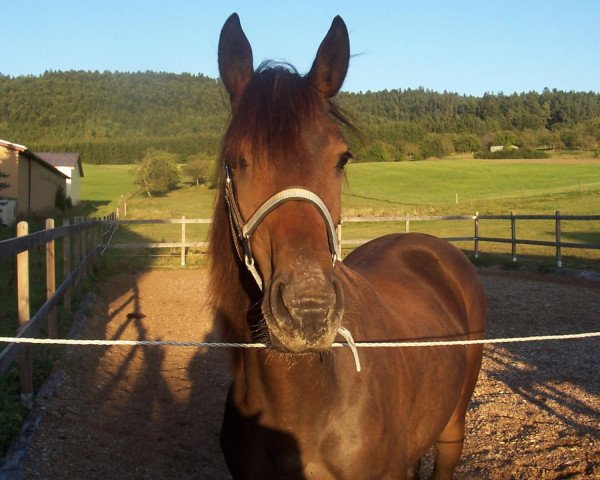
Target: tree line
column 115, row 117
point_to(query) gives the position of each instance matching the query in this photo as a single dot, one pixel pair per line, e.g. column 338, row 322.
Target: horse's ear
column 235, row 58
column 331, row 64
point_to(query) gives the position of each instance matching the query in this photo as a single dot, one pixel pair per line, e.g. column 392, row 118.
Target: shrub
column 512, row 153
column 61, row 201
column 199, row 168
column 436, row 145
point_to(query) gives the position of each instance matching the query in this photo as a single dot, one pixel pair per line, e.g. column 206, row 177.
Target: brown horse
column 300, row 409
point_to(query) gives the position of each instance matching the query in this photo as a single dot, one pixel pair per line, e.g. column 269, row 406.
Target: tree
column 436, row 145
column 157, row 173
column 199, row 167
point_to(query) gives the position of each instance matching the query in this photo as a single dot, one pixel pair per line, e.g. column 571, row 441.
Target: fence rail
column 558, row 244
column 84, row 239
column 82, row 242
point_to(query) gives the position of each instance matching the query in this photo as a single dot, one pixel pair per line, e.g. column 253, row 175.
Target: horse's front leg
column 447, row 456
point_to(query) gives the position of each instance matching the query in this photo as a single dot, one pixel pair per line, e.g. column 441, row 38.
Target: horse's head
column 282, row 162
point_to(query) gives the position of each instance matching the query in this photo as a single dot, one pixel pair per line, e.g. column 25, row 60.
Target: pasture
column 571, row 185
column 440, row 187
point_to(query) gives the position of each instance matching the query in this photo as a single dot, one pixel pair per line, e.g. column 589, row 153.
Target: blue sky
column 467, row 47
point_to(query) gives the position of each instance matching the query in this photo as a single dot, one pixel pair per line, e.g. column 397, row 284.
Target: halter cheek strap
column 242, row 232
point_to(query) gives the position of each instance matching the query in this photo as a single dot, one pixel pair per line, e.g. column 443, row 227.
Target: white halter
column 242, row 232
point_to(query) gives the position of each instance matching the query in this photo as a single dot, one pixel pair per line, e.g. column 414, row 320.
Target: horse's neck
column 278, row 386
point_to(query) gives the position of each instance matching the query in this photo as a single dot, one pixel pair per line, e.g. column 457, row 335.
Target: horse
column 299, row 409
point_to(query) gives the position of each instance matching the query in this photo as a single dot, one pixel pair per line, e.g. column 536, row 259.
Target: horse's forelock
column 274, row 112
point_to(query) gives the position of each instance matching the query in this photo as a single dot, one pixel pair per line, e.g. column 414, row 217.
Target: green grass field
column 406, row 188
column 466, row 186
column 441, row 187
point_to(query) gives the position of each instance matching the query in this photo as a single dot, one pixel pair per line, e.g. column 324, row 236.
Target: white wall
column 73, row 183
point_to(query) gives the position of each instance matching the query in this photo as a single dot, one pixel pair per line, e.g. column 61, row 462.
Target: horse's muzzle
column 303, row 310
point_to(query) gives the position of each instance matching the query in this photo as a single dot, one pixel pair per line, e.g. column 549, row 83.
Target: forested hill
column 114, row 117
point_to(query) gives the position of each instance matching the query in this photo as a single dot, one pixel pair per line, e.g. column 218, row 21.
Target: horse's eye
column 242, row 163
column 344, row 157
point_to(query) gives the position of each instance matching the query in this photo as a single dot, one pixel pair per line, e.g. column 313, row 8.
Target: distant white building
column 70, row 165
column 499, row 148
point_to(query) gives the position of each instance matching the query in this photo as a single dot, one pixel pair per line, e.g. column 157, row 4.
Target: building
column 70, row 165
column 32, row 182
column 500, row 148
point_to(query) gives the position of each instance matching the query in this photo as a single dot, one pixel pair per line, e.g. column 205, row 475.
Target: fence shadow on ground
column 150, row 411
column 539, row 371
column 91, row 208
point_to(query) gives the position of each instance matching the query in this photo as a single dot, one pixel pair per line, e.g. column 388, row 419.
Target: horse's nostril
column 277, row 300
column 302, row 302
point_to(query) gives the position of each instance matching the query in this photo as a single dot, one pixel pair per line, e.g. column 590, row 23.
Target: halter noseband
column 242, row 232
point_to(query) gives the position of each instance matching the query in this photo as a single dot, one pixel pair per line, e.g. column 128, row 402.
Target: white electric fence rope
column 399, row 344
column 107, row 244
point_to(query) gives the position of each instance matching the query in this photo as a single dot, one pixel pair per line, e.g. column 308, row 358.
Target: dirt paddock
column 154, row 412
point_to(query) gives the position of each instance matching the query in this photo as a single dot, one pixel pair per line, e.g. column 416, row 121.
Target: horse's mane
column 271, row 116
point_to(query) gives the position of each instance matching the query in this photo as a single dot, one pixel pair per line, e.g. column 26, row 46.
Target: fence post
column 407, row 226
column 25, row 365
column 82, row 247
column 513, row 234
column 476, row 235
column 76, row 248
column 67, row 264
column 89, row 244
column 183, row 241
column 558, row 246
column 97, row 237
column 51, row 280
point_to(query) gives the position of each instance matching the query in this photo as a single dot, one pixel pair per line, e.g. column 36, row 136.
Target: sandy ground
column 155, row 412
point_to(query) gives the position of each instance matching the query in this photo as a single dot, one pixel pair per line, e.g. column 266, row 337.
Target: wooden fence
column 82, row 242
column 474, row 237
column 84, row 239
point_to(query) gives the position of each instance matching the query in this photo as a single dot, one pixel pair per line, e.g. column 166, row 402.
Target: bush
column 199, row 168
column 437, row 145
column 61, row 201
column 512, row 153
column 466, row 143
